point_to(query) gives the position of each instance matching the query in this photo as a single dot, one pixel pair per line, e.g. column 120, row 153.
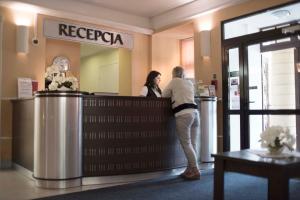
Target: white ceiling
column 143, row 8
column 143, row 16
column 179, row 32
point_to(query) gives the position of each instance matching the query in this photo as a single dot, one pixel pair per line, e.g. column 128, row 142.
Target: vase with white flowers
column 57, row 80
column 276, row 138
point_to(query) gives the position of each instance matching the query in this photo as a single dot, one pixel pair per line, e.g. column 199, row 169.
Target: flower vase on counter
column 56, row 80
column 63, row 88
column 47, row 83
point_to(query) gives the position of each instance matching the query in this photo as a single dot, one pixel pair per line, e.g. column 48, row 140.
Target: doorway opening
column 99, row 69
column 261, row 75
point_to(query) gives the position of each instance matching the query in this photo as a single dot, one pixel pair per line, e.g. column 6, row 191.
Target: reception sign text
column 79, row 33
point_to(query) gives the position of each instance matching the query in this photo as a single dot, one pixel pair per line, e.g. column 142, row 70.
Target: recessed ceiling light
column 281, row 13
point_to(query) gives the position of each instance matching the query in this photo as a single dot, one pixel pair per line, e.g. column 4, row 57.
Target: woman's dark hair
column 150, row 80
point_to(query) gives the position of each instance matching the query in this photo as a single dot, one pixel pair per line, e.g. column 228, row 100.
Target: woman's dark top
column 150, row 93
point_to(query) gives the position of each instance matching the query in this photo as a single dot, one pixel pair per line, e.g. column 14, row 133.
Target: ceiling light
column 205, row 43
column 281, row 13
column 22, row 36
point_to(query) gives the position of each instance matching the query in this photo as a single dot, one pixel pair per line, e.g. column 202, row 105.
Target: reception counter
column 78, row 135
column 22, row 120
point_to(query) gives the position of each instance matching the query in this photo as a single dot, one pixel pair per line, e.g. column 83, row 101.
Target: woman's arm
column 144, row 91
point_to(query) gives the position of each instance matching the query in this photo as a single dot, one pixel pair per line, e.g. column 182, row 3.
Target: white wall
column 100, row 72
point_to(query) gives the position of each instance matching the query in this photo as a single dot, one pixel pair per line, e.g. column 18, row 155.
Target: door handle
column 252, row 87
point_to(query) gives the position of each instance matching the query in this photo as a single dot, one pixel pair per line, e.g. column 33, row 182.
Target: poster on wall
column 24, row 87
column 79, row 33
column 234, row 93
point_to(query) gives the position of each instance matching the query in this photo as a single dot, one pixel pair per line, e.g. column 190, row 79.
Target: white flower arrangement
column 58, row 80
column 276, row 137
column 51, row 71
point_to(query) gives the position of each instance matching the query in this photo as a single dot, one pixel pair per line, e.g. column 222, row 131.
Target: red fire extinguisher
column 214, row 81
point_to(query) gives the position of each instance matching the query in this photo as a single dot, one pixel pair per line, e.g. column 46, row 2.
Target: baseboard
column 121, row 179
column 23, row 171
column 5, row 164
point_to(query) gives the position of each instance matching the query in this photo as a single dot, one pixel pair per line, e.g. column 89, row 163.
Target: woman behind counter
column 151, row 88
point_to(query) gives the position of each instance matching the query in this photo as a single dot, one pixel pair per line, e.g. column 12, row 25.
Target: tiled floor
column 16, row 185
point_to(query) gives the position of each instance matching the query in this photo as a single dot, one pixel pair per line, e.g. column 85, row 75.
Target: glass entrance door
column 271, row 89
column 262, row 91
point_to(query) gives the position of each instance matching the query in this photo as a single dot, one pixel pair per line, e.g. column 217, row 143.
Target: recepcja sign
column 79, row 33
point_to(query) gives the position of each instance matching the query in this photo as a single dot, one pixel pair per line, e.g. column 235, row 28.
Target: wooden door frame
column 1, row 62
column 297, row 83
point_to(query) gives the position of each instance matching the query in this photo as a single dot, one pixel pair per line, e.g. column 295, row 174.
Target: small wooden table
column 277, row 171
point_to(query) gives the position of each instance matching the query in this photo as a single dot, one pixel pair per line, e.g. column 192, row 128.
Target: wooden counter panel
column 23, row 133
column 124, row 135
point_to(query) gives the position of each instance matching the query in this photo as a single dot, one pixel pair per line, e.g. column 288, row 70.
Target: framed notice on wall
column 24, row 87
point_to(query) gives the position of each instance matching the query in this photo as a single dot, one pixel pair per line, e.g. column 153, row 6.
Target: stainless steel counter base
column 122, row 179
column 101, row 180
column 58, row 184
column 58, row 139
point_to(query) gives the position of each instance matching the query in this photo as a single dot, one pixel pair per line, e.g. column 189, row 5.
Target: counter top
column 16, row 98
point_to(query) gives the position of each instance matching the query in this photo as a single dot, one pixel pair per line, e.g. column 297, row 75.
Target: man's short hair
column 178, row 72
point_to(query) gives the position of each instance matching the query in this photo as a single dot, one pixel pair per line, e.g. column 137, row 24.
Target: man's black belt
column 184, row 106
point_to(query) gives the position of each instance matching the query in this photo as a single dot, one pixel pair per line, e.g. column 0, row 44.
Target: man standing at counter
column 187, row 118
